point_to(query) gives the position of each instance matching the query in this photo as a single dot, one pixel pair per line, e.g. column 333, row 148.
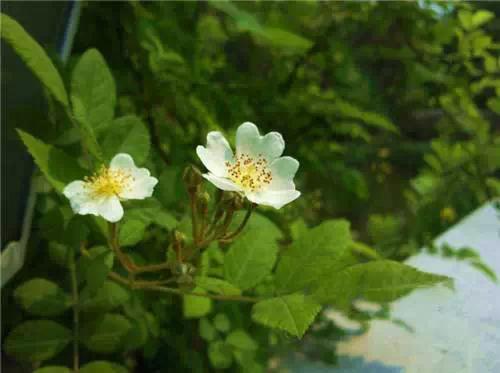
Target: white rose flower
column 101, row 194
column 257, row 170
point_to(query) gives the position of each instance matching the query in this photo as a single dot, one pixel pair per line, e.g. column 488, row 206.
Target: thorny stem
column 238, row 230
column 164, row 289
column 156, row 286
column 125, row 261
column 225, row 225
column 122, row 257
column 115, row 276
column 199, row 242
column 152, row 268
column 217, row 231
column 194, row 217
column 76, row 315
column 213, row 221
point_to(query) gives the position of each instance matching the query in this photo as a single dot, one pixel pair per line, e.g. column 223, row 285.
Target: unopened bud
column 192, row 178
column 179, row 237
column 203, row 200
column 227, row 201
column 238, row 202
column 228, row 196
column 187, row 269
column 185, row 272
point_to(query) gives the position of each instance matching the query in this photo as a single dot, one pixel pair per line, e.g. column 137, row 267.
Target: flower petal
column 80, row 200
column 110, row 209
column 122, row 161
column 283, row 170
column 222, row 183
column 276, row 199
column 216, row 154
column 250, row 142
column 142, row 183
column 75, row 188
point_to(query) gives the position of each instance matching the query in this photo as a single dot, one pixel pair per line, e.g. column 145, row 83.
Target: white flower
column 101, row 194
column 257, row 170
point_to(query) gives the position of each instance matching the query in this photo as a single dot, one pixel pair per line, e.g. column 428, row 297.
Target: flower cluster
column 257, row 171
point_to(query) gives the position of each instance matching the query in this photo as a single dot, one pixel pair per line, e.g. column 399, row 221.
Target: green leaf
column 318, row 251
column 372, row 119
column 222, row 323
column 151, row 211
column 272, row 36
column 53, row 369
column 60, row 254
column 105, row 334
column 240, row 339
column 137, row 336
column 34, row 57
column 165, row 220
column 42, row 297
column 129, row 135
column 53, row 222
column 102, row 367
column 288, row 41
column 481, row 17
column 465, row 18
column 171, row 187
column 36, row 340
column 245, row 21
column 217, row 286
column 59, row 168
column 96, row 271
column 384, row 229
column 195, row 306
column 365, row 250
column 206, row 330
column 292, row 313
column 108, row 297
column 298, row 228
column 75, row 232
column 494, row 104
column 131, row 232
column 219, row 354
column 102, row 251
column 253, row 253
column 378, row 281
column 87, row 133
column 93, row 88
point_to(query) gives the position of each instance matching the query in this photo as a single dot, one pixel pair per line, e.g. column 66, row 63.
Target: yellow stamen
column 252, row 174
column 108, row 182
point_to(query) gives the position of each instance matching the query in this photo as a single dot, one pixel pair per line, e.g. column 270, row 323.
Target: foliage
column 389, row 107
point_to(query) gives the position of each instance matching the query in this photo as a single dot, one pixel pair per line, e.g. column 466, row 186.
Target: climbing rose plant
column 128, row 255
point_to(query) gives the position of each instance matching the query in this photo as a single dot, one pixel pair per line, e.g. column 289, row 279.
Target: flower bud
column 203, row 199
column 227, row 200
column 179, row 238
column 192, row 178
column 238, row 202
column 185, row 272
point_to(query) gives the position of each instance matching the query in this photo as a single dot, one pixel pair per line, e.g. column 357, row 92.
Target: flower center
column 251, row 174
column 107, row 182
